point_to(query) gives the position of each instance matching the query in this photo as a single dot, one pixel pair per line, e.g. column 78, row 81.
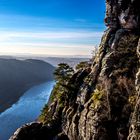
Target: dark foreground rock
column 36, row 131
column 102, row 101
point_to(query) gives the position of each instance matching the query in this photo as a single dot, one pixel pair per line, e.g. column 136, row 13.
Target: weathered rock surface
column 103, row 101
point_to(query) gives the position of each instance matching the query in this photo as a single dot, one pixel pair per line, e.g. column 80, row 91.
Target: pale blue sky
column 52, row 27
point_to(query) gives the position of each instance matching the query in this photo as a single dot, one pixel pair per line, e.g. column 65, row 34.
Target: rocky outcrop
column 102, row 101
column 134, row 131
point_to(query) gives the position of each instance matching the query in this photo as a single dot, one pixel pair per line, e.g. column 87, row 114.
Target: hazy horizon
column 43, row 55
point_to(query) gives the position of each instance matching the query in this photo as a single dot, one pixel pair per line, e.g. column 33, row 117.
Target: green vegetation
column 82, row 65
column 97, row 96
column 62, row 75
column 132, row 100
column 44, row 111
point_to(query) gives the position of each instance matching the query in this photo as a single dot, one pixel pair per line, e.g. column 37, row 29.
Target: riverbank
column 17, row 76
column 26, row 110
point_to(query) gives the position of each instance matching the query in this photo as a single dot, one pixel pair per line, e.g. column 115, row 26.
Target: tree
column 94, row 53
column 63, row 73
column 82, row 65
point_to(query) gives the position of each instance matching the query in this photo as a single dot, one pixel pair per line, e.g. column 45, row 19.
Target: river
column 26, row 110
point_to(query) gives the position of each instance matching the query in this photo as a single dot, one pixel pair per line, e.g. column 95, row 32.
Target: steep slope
column 17, row 76
column 134, row 131
column 102, row 102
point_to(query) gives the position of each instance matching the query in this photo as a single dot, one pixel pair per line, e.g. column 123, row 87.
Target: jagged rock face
column 124, row 13
column 134, row 131
column 104, row 102
column 105, row 115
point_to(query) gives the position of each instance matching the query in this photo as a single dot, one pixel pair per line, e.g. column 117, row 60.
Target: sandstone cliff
column 102, row 101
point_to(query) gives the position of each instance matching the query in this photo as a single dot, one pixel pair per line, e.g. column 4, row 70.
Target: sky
column 51, row 27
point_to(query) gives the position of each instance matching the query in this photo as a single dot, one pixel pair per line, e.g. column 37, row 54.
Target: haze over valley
column 17, row 76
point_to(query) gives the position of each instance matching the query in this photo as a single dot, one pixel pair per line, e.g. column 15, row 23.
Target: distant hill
column 71, row 61
column 53, row 60
column 17, row 76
